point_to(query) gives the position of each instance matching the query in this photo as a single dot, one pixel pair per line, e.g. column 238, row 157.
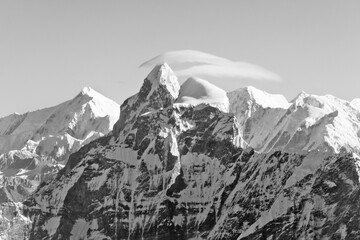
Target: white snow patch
column 343, row 231
column 22, row 171
column 126, row 155
column 79, row 230
column 330, row 184
column 357, row 164
column 309, row 166
column 354, row 155
column 98, row 181
column 51, row 225
column 174, row 150
column 178, row 220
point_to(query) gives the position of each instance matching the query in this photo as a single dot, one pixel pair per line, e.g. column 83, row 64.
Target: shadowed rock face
column 179, row 172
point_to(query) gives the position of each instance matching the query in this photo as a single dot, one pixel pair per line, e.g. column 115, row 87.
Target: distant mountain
column 67, row 125
column 309, row 122
column 179, row 165
column 34, row 146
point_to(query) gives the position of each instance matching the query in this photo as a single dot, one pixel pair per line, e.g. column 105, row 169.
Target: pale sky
column 50, row 50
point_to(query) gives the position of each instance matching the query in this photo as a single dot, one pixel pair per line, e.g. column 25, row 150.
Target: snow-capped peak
column 195, row 91
column 87, row 90
column 159, row 90
column 90, row 92
column 327, row 102
column 163, row 75
column 264, row 99
column 88, row 113
column 308, row 122
column 300, row 97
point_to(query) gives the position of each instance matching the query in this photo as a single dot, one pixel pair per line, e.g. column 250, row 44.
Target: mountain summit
column 309, row 122
column 34, row 146
column 159, row 90
column 85, row 117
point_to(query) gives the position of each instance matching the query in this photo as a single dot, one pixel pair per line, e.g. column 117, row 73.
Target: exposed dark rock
column 172, row 171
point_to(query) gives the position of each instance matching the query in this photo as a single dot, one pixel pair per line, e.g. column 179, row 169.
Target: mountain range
column 191, row 162
column 308, row 122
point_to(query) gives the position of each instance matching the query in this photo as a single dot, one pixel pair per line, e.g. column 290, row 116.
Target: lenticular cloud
column 208, row 65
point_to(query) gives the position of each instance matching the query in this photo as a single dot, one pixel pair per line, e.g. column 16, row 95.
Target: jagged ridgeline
column 176, row 166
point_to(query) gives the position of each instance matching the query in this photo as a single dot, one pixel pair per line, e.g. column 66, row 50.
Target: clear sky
column 50, row 50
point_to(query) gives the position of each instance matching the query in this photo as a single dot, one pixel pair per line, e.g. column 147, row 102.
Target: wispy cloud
column 207, row 65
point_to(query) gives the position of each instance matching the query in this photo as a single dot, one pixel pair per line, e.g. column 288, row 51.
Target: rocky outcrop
column 173, row 171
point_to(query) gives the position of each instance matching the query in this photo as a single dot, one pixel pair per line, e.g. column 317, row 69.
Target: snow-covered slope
column 356, row 103
column 195, row 91
column 49, row 136
column 309, row 122
column 177, row 171
column 87, row 116
column 34, row 146
column 255, row 96
column 257, row 112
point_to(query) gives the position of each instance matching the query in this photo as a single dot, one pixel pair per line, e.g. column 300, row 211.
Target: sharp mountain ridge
column 189, row 169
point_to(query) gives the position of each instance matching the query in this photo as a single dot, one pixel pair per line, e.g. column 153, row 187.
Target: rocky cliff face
column 36, row 145
column 172, row 170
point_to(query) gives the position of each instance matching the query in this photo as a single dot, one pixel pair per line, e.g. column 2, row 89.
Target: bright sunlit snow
column 196, row 91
